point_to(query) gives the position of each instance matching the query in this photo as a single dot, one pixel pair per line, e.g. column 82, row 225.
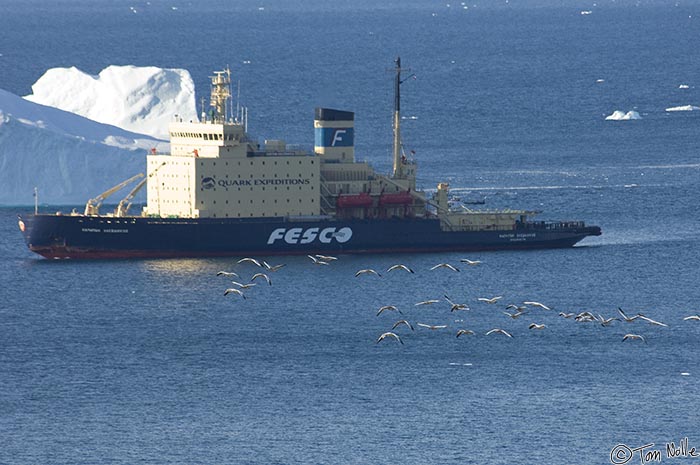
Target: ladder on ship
column 326, row 207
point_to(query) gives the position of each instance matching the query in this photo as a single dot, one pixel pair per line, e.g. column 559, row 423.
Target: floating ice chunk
column 599, row 80
column 682, row 86
column 618, row 115
column 684, row 108
column 586, row 12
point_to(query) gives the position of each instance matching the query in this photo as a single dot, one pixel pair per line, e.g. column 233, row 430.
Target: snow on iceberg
column 618, row 115
column 684, row 108
column 67, row 157
column 138, row 99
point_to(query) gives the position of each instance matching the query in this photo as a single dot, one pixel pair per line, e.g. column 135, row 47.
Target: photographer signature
column 622, row 453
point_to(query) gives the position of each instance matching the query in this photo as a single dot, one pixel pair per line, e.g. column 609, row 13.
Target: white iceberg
column 619, row 115
column 138, row 99
column 69, row 158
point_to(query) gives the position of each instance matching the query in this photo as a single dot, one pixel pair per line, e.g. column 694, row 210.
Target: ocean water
column 146, row 361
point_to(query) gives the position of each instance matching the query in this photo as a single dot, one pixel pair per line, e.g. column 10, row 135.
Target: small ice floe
column 684, row 86
column 173, row 8
column 599, row 80
column 619, row 115
column 246, row 62
column 685, row 373
column 684, row 108
column 586, row 12
column 261, row 8
column 629, row 186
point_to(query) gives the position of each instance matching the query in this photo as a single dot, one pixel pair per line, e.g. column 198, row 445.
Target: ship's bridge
column 209, row 140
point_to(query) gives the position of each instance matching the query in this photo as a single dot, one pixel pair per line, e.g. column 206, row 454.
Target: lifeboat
column 354, row 200
column 398, row 198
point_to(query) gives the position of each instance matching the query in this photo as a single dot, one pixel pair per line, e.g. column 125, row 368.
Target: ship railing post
column 36, row 200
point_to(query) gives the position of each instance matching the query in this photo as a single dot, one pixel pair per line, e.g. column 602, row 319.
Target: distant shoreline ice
column 684, row 108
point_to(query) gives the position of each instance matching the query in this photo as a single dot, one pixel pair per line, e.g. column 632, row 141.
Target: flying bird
column 692, row 317
column 536, row 304
column 517, row 308
column 273, row 267
column 566, row 315
column 261, row 275
column 403, row 322
column 585, row 317
column 634, row 336
column 399, row 267
column 465, row 332
column 499, row 330
column 428, row 302
column 514, row 315
column 388, row 334
column 653, row 322
column 606, row 321
column 316, row 261
column 470, row 262
column 326, row 258
column 250, row 260
column 243, row 286
column 227, row 273
column 433, row 327
column 536, row 326
column 234, row 291
column 456, row 306
column 445, row 265
column 367, row 271
column 628, row 319
column 386, row 308
column 491, row 300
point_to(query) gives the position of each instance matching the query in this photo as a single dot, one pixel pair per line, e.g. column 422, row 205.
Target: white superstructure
column 215, row 170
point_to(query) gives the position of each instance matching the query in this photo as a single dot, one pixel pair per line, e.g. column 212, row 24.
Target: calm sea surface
column 147, row 362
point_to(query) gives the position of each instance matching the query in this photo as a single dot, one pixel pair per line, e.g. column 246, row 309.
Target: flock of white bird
column 517, row 310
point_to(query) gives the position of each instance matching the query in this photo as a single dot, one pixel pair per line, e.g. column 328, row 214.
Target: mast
column 220, row 93
column 398, row 167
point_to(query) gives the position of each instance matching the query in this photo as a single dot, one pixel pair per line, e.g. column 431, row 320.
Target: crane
column 123, row 207
column 92, row 207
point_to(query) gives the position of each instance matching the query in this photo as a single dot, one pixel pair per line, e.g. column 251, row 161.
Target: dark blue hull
column 65, row 236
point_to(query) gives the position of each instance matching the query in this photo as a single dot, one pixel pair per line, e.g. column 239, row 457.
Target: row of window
column 207, row 136
column 252, row 163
